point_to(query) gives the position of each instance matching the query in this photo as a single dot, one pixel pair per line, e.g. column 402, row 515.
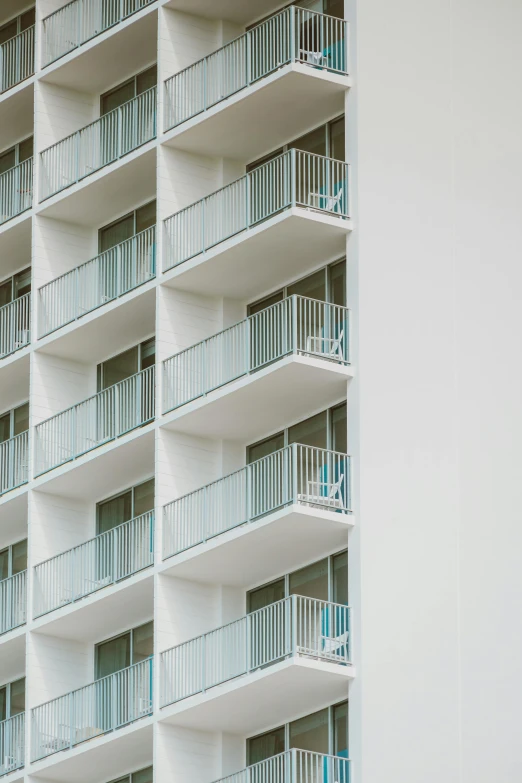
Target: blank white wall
column 58, row 247
column 56, row 666
column 58, row 524
column 57, row 384
column 60, row 111
column 183, row 754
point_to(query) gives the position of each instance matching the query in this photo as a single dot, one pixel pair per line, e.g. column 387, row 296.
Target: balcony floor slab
column 264, row 257
column 266, row 401
column 246, row 556
column 264, row 116
column 101, row 758
column 115, row 325
column 268, row 697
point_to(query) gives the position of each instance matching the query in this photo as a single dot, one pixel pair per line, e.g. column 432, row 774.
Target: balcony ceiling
column 238, row 11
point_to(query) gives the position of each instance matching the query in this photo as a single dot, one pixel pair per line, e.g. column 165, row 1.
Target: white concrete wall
column 57, row 384
column 58, row 523
column 56, row 666
column 60, row 111
column 59, row 246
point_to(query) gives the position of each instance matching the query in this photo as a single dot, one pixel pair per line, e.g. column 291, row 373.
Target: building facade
column 241, row 537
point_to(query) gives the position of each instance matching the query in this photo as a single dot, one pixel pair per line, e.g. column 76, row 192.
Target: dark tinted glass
column 22, row 283
column 148, row 354
column 118, row 368
column 4, row 565
column 5, row 427
column 146, row 80
column 311, row 432
column 27, row 19
column 112, row 656
column 8, row 31
column 3, row 703
column 268, row 446
column 19, row 556
column 266, row 745
column 311, row 581
column 144, row 498
column 340, row 721
column 311, row 732
column 337, row 274
column 266, row 595
column 315, row 141
column 340, row 579
column 334, row 8
column 114, row 512
column 116, row 233
column 117, row 97
column 18, row 696
column 7, row 160
column 313, row 286
column 143, row 642
column 337, row 140
column 25, row 149
column 145, row 216
column 143, row 776
column 339, row 429
column 21, row 419
column 266, row 302
column 6, row 292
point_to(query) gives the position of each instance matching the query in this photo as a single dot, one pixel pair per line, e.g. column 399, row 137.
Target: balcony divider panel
column 17, row 59
column 103, row 279
column 295, row 766
column 104, row 141
column 15, row 331
column 77, row 22
column 13, row 602
column 294, row 35
column 12, row 743
column 14, row 462
column 293, row 179
column 105, row 416
column 16, row 190
column 102, row 561
column 102, row 706
column 312, row 477
column 293, row 626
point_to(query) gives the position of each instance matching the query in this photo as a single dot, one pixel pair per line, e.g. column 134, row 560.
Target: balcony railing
column 12, row 743
column 16, row 190
column 295, row 325
column 76, row 23
column 294, row 35
column 293, row 179
column 295, row 766
column 15, row 331
column 304, row 475
column 14, row 462
column 109, row 138
column 99, row 419
column 98, row 563
column 101, row 280
column 293, row 626
column 13, row 602
column 97, row 708
column 17, row 59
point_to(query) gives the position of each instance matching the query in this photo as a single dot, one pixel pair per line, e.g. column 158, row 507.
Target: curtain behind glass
column 17, row 697
column 311, row 732
column 19, row 556
column 311, row 581
column 340, row 720
column 266, row 595
column 266, row 745
column 143, row 642
column 340, row 579
column 116, row 233
column 118, row 368
column 311, row 432
column 114, row 512
column 112, row 656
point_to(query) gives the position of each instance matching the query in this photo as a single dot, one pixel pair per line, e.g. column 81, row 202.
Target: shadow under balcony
column 104, row 706
column 268, row 227
column 288, row 658
column 279, row 365
column 224, row 532
column 12, row 744
column 275, row 82
column 103, row 418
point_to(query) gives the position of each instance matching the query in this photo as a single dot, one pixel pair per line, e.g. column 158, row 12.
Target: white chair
column 319, row 59
column 323, row 493
column 326, row 202
column 329, row 347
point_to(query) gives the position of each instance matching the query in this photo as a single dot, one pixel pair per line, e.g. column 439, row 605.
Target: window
column 326, row 285
column 125, row 364
column 14, row 422
column 14, row 287
column 324, row 580
column 13, row 559
column 12, row 699
column 141, row 776
column 327, row 430
column 17, row 154
column 325, row 731
column 128, row 90
column 127, row 505
column 127, row 226
column 17, row 25
column 327, row 139
column 124, row 650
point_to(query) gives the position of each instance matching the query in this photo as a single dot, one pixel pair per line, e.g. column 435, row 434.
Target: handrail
column 296, row 474
column 293, row 626
column 12, row 743
column 79, row 21
column 96, row 282
column 102, row 561
column 16, row 190
column 102, row 706
column 17, row 59
column 292, row 35
column 297, row 324
column 15, row 320
column 13, row 601
column 294, row 765
column 14, row 462
column 292, row 179
column 110, row 137
column 105, row 416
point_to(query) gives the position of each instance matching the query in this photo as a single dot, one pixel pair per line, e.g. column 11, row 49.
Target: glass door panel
column 3, row 703
column 6, row 292
column 118, row 368
column 340, row 579
column 116, row 233
column 145, row 216
column 8, row 31
column 21, row 419
column 314, row 141
column 25, row 149
column 143, row 642
column 313, row 286
column 4, row 564
column 265, row 447
column 22, row 283
column 266, row 745
column 114, row 512
column 266, row 595
column 19, row 556
column 117, row 97
column 17, row 697
column 337, row 284
column 112, row 656
column 340, row 727
column 143, row 776
column 311, row 732
column 144, row 498
column 311, row 581
column 311, row 432
column 7, row 160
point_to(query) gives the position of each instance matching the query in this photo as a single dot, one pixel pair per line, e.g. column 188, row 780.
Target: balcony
column 265, row 228
column 287, row 360
column 12, row 743
column 16, row 190
column 295, row 766
column 103, row 279
column 13, row 602
column 17, row 59
column 104, row 141
column 102, row 418
column 14, row 462
column 257, row 660
column 103, row 561
column 15, row 320
column 81, row 20
column 230, row 103
column 100, row 707
column 299, row 496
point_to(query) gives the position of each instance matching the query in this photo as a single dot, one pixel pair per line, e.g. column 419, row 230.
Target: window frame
column 120, row 494
column 9, row 550
column 11, row 412
column 8, row 687
column 254, row 164
column 129, row 777
column 133, row 214
column 139, row 346
column 129, row 633
column 16, row 149
column 18, row 20
column 132, row 80
column 12, row 279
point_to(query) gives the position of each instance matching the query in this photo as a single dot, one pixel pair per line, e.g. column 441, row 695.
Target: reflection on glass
column 3, row 703
column 311, row 432
column 118, row 368
column 312, row 286
column 143, row 498
column 266, row 302
column 266, row 745
column 114, row 512
column 22, row 283
column 311, row 581
column 143, row 642
column 112, row 656
column 340, row 720
column 117, row 97
column 21, row 419
column 17, row 697
column 116, row 233
column 266, row 595
column 314, row 142
column 265, row 447
column 311, row 732
column 143, row 776
column 19, row 556
column 340, row 579
column 337, row 283
column 339, row 429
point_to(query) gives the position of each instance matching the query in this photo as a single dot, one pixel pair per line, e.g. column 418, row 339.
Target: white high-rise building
column 259, row 391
